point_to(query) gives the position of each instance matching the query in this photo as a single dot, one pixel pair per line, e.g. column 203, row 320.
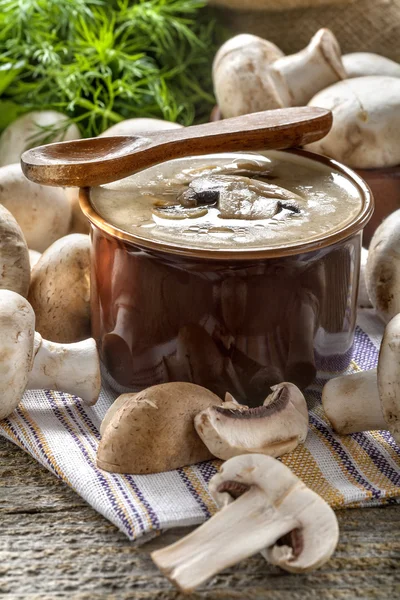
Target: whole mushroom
column 249, row 76
column 27, row 361
column 42, row 212
column 368, row 399
column 362, row 64
column 27, row 131
column 60, row 290
column 275, row 428
column 14, row 255
column 138, row 126
column 239, row 68
column 152, row 431
column 264, row 508
column 382, row 273
column 366, row 122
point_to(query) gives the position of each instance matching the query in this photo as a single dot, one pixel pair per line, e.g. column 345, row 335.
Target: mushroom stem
column 352, row 403
column 239, row 530
column 71, row 368
column 312, row 69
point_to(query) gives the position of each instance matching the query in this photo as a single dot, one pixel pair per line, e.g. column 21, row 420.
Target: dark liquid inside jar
column 235, row 327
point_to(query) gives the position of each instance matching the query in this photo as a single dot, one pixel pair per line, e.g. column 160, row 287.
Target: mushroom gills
column 275, row 428
column 264, row 508
column 210, row 548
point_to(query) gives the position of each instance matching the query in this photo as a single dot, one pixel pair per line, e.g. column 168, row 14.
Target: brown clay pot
column 238, row 321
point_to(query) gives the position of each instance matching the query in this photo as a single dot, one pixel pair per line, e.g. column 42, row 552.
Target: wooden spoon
column 94, row 161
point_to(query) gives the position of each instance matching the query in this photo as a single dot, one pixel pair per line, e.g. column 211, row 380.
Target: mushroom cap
column 366, row 122
column 42, row 212
column 389, row 376
column 275, row 428
column 362, row 64
column 314, row 539
column 383, row 268
column 19, row 135
column 238, row 43
column 242, row 81
column 17, row 328
column 115, row 406
column 153, row 430
column 137, row 126
column 15, row 270
column 60, row 290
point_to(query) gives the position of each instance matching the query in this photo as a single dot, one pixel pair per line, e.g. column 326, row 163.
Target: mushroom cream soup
column 231, row 201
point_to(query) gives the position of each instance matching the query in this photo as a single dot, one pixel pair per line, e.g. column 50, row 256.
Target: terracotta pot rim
column 244, row 254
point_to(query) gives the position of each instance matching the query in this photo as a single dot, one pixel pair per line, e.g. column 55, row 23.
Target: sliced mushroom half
column 239, row 197
column 264, row 508
column 275, row 428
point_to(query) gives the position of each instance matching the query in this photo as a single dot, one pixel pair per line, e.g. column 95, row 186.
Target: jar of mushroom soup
column 233, row 271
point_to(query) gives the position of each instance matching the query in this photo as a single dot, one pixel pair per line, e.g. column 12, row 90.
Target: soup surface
column 231, row 201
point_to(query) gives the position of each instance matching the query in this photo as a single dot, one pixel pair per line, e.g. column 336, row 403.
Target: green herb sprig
column 102, row 61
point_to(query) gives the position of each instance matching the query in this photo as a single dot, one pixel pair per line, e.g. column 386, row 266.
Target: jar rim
column 239, row 254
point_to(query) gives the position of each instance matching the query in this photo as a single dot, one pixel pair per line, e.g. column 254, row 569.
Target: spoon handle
column 95, row 161
column 270, row 129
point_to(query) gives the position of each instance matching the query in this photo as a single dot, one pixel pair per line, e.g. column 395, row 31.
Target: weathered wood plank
column 53, row 545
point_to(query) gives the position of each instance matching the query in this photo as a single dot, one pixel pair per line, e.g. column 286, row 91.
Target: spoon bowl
column 88, row 150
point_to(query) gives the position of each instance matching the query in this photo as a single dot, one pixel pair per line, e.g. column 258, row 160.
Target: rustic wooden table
column 53, row 545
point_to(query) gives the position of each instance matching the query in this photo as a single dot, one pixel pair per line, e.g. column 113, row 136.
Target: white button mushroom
column 137, row 126
column 312, row 69
column 382, row 272
column 240, row 77
column 362, row 64
column 29, row 362
column 366, row 122
column 369, row 399
column 60, row 290
column 249, row 76
column 264, row 508
column 275, row 428
column 153, row 431
column 26, row 131
column 14, row 256
column 42, row 212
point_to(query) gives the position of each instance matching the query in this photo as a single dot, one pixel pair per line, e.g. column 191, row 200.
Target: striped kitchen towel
column 62, row 434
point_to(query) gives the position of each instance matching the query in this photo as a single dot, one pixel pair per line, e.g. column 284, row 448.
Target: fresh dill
column 102, row 61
